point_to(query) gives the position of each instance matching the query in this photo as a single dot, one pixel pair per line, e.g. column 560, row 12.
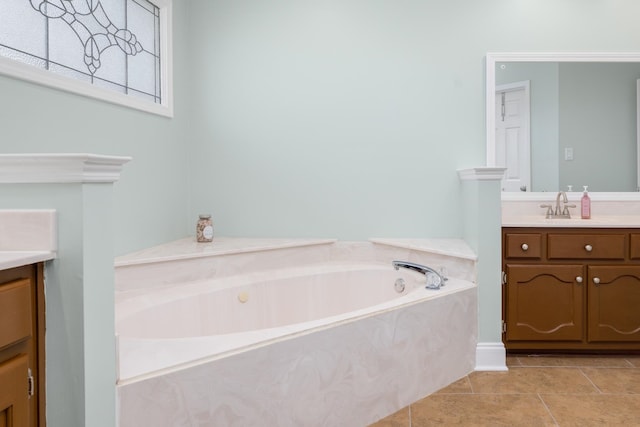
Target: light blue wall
column 339, row 118
column 348, row 119
column 150, row 197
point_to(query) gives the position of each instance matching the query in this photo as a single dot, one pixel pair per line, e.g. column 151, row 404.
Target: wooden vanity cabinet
column 571, row 289
column 22, row 387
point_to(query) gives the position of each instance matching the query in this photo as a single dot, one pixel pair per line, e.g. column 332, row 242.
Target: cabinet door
column 14, row 393
column 614, row 303
column 545, row 303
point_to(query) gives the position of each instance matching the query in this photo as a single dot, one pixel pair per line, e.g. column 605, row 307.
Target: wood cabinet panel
column 14, row 408
column 545, row 302
column 586, row 246
column 22, row 305
column 634, row 246
column 614, row 303
column 522, row 245
column 15, row 312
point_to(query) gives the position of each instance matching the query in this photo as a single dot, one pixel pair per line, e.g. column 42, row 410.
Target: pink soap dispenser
column 585, row 204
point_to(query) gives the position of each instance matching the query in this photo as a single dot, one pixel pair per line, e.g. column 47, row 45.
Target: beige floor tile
column 594, row 410
column 398, row 419
column 574, row 361
column 615, row 380
column 513, row 361
column 634, row 361
column 532, row 380
column 571, row 390
column 461, row 386
column 480, row 410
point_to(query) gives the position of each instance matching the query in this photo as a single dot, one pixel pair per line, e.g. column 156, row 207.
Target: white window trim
column 19, row 70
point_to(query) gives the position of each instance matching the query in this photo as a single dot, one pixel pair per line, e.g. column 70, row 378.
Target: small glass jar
column 204, row 229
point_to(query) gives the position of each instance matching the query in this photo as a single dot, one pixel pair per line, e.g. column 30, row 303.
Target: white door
column 512, row 135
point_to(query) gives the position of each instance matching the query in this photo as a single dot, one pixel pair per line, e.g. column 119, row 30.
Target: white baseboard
column 491, row 356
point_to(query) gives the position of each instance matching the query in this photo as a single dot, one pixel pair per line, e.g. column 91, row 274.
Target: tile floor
column 536, row 391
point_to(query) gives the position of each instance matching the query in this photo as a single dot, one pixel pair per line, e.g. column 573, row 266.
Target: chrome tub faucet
column 434, row 279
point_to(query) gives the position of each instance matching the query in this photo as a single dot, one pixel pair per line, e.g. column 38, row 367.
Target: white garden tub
column 321, row 344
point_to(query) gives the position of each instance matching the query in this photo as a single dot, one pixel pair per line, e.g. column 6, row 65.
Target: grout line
column 548, row 409
column 470, row 384
column 519, row 361
column 592, row 383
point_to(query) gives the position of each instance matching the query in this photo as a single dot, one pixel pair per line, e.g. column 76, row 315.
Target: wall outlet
column 568, row 153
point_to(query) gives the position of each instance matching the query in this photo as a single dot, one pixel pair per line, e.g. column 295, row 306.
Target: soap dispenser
column 585, row 204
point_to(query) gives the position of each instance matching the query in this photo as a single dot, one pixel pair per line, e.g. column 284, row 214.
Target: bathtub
column 325, row 343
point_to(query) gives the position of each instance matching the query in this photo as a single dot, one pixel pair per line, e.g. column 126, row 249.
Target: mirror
column 560, row 119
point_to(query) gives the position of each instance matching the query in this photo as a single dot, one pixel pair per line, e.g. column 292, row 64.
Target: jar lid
column 205, row 216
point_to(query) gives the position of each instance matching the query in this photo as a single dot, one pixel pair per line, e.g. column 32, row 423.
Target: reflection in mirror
column 560, row 120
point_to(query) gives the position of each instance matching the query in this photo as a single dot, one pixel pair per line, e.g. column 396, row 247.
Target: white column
column 482, row 225
column 79, row 283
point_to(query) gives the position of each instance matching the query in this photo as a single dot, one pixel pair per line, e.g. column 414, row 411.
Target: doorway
column 513, row 146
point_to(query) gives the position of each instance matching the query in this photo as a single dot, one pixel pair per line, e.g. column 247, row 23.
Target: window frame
column 23, row 71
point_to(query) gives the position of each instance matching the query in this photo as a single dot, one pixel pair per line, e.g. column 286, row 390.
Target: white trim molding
column 491, row 356
column 53, row 168
column 482, row 174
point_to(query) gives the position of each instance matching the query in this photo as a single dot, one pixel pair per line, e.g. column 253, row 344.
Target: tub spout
column 434, row 279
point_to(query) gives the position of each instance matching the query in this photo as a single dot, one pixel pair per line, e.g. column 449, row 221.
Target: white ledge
column 52, row 168
column 481, row 174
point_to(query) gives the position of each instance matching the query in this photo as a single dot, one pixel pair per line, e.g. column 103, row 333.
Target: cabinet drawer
column 635, row 246
column 586, row 246
column 523, row 245
column 15, row 312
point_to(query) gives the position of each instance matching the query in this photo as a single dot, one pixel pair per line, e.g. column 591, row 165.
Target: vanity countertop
column 27, row 236
column 11, row 259
column 596, row 221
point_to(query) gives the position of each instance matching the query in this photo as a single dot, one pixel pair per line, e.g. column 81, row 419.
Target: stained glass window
column 111, row 44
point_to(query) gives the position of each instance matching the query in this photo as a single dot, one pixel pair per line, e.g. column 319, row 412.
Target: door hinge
column 504, row 278
column 504, row 327
column 31, row 386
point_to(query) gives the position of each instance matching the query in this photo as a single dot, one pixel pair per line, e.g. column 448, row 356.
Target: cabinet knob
column 524, row 246
column 596, row 280
column 579, row 279
column 588, row 248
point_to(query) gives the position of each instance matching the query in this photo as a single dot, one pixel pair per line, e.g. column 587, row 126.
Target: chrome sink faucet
column 561, row 210
column 434, row 279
